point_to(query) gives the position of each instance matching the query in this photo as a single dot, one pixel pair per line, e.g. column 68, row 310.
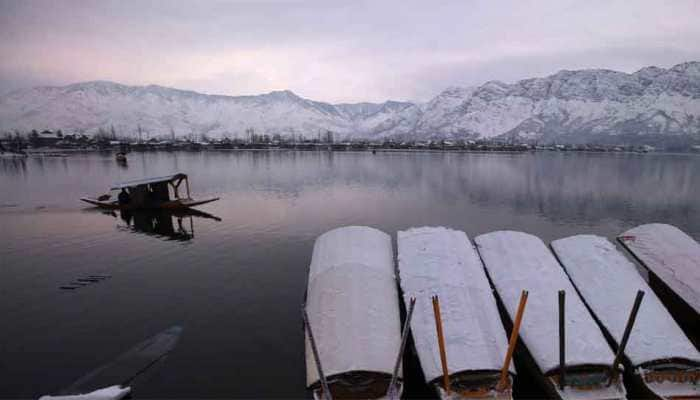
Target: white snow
column 352, row 303
column 666, row 101
column 608, row 282
column 670, row 254
column 519, row 261
column 443, row 262
column 115, row 392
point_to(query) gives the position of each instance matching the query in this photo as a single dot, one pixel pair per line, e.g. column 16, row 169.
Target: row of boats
column 578, row 314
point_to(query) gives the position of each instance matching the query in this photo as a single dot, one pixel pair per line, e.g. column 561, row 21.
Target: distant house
column 47, row 138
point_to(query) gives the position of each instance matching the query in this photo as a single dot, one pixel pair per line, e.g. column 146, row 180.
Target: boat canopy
column 608, row 282
column 671, row 255
column 175, row 178
column 353, row 303
column 443, row 262
column 518, row 261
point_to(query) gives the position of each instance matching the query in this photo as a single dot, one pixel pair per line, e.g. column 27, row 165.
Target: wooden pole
column 513, row 341
column 324, row 384
column 187, row 185
column 404, row 337
column 562, row 340
column 626, row 335
column 441, row 344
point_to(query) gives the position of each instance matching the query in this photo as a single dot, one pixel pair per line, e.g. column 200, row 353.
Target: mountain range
column 582, row 106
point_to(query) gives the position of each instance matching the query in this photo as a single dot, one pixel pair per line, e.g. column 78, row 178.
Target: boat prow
column 112, row 205
column 187, row 203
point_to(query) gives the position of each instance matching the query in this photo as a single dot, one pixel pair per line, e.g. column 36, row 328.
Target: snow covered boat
column 151, row 193
column 443, row 262
column 663, row 361
column 673, row 261
column 352, row 304
column 517, row 261
column 112, row 381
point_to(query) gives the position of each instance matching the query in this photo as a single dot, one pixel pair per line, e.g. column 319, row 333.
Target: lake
column 236, row 284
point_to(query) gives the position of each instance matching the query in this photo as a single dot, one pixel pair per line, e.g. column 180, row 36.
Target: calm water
column 236, row 285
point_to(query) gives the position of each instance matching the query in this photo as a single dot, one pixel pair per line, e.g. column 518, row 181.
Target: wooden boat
column 112, row 381
column 152, row 193
column 517, row 261
column 353, row 310
column 673, row 261
column 661, row 360
column 443, row 262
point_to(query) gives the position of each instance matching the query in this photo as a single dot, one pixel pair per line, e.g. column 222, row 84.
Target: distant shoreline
column 60, row 152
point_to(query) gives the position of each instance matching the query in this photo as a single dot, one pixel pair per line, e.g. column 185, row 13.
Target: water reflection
column 166, row 224
column 13, row 166
column 250, row 269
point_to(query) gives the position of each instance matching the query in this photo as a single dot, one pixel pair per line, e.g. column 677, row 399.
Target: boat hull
column 167, row 205
column 318, row 395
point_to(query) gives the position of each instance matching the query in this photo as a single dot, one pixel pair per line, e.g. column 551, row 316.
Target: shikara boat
column 352, row 305
column 442, row 262
column 151, row 193
column 517, row 261
column 661, row 360
column 673, row 261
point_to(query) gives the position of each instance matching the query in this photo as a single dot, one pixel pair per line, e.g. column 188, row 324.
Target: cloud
column 334, row 51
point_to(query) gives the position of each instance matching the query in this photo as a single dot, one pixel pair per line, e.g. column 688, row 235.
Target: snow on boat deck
column 519, row 261
column 353, row 303
column 608, row 282
column 671, row 255
column 443, row 262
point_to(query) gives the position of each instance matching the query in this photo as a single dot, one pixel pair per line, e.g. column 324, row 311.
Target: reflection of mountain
column 170, row 225
column 561, row 187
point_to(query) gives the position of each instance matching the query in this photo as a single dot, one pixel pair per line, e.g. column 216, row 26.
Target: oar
column 626, row 335
column 441, row 344
column 513, row 340
column 404, row 337
column 324, row 384
column 562, row 340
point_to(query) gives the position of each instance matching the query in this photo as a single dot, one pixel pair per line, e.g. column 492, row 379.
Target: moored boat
column 673, row 261
column 112, row 381
column 353, row 311
column 442, row 262
column 150, row 193
column 517, row 261
column 661, row 360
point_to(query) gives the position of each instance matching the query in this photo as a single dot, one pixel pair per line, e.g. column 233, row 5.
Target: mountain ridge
column 570, row 105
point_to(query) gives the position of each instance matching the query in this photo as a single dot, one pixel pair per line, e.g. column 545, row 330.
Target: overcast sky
column 335, row 51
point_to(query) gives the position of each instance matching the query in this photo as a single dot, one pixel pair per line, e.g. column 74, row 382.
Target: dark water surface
column 236, row 285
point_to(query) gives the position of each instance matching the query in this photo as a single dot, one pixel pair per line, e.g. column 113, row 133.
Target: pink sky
column 333, row 50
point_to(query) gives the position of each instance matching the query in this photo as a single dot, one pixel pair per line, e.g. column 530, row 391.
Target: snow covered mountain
column 569, row 106
column 572, row 106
